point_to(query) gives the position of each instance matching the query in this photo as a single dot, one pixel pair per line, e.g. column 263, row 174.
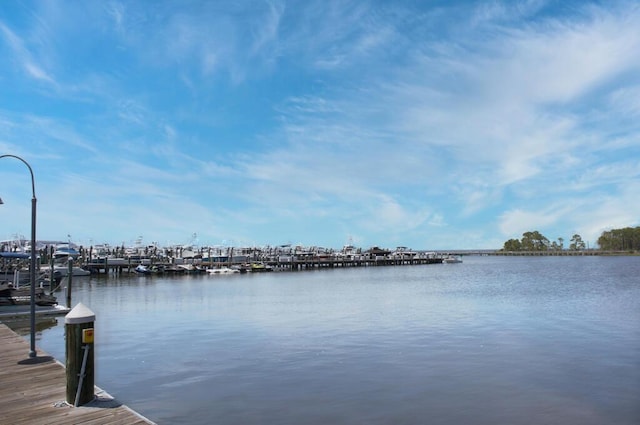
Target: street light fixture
column 32, row 350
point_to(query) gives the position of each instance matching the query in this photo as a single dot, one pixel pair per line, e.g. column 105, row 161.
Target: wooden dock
column 306, row 263
column 33, row 391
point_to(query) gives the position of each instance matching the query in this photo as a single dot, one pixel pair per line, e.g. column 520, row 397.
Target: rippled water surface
column 494, row 340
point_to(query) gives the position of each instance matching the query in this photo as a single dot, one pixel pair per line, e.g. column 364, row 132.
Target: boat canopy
column 14, row 255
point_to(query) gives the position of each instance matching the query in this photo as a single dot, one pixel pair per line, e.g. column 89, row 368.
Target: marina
column 289, row 264
column 79, row 261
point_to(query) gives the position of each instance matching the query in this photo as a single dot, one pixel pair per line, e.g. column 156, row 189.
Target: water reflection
column 492, row 340
column 22, row 326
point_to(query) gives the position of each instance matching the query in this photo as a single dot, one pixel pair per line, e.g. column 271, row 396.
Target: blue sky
column 432, row 124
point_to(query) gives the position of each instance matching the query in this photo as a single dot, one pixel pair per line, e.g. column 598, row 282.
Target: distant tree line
column 627, row 239
column 536, row 241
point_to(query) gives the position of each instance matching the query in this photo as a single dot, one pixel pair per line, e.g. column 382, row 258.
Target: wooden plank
column 33, row 391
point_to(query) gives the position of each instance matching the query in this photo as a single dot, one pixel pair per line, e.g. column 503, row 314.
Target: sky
column 426, row 124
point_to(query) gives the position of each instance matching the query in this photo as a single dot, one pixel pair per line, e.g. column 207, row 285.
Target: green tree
column 577, row 244
column 512, row 245
column 534, row 241
column 620, row 239
column 557, row 246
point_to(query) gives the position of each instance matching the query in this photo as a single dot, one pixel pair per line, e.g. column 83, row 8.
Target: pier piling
column 79, row 327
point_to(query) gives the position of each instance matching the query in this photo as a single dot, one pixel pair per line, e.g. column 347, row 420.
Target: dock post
column 51, row 272
column 69, row 281
column 79, row 348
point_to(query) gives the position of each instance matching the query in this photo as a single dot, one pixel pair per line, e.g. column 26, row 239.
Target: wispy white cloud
column 116, row 11
column 266, row 34
column 626, row 100
column 491, row 12
column 24, row 57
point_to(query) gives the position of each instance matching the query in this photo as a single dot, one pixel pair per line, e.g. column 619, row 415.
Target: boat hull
column 22, row 296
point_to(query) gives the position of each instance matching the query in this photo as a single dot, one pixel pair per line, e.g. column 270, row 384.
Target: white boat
column 188, row 268
column 64, row 270
column 10, row 296
column 142, row 269
column 61, row 268
column 65, row 251
column 348, row 252
column 222, row 270
column 403, row 253
column 452, row 259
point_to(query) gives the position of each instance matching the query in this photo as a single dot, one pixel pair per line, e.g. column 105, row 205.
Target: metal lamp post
column 32, row 350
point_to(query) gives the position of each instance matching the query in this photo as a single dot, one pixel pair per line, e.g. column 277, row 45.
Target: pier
column 289, row 264
column 33, row 391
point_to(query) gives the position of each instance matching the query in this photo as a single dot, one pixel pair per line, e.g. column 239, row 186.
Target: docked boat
column 348, row 252
column 22, row 277
column 403, row 253
column 142, row 269
column 22, row 296
column 45, row 279
column 189, row 268
column 452, row 259
column 62, row 269
column 378, row 253
column 75, row 271
column 65, row 251
column 260, row 267
column 222, row 270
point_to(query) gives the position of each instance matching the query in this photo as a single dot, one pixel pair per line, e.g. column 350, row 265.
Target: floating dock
column 33, row 391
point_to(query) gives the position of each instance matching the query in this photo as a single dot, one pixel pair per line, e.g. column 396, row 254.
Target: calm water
column 491, row 341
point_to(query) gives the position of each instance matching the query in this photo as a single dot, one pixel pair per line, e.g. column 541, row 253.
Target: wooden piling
column 69, row 281
column 79, row 328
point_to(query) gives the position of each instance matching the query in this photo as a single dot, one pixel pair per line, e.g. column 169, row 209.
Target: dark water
column 549, row 340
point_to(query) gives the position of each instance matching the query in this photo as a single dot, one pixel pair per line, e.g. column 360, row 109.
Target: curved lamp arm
column 32, row 352
column 33, row 180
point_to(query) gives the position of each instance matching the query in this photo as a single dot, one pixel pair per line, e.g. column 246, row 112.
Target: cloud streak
column 24, row 57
